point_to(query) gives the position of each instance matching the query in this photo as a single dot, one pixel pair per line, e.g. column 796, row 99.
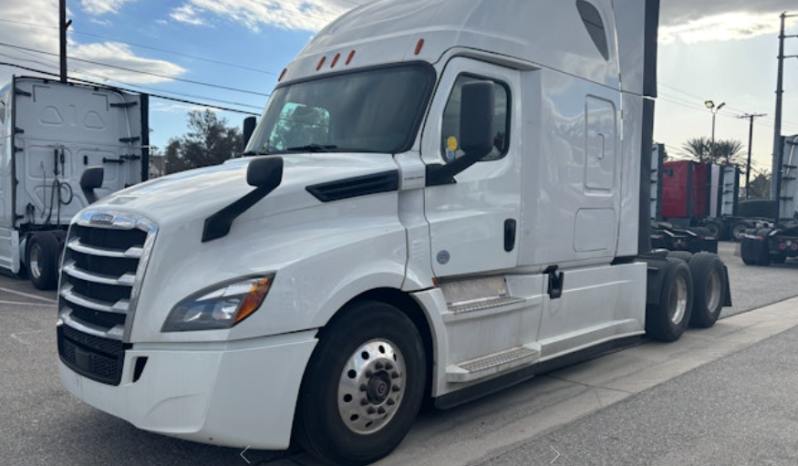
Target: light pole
column 712, row 108
column 751, row 117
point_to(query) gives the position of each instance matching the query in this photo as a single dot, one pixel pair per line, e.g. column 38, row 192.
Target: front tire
column 40, row 260
column 363, row 387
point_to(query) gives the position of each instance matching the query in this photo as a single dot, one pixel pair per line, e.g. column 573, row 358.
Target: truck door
column 473, row 222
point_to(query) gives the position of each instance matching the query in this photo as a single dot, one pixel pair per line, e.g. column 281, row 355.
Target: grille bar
column 120, row 307
column 130, row 253
column 127, row 279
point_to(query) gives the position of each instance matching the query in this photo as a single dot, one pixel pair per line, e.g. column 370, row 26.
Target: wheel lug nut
column 395, row 388
column 394, row 375
column 391, row 402
column 379, row 366
column 364, row 402
column 388, row 367
column 363, row 387
column 381, row 410
column 372, row 410
column 369, row 374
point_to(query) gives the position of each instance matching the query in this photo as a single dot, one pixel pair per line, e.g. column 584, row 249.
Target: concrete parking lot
column 41, row 424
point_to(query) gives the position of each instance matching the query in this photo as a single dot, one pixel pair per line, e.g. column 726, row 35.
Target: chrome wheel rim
column 35, row 257
column 713, row 291
column 371, row 387
column 678, row 301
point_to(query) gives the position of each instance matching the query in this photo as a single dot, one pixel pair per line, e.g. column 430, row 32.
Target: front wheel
column 41, row 260
column 363, row 387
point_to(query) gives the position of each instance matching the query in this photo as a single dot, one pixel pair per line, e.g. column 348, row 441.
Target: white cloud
column 120, row 55
column 175, row 107
column 724, row 27
column 17, row 31
column 101, row 7
column 303, row 15
column 692, row 21
column 187, row 14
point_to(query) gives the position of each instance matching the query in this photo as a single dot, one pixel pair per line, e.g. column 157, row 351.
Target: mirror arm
column 438, row 174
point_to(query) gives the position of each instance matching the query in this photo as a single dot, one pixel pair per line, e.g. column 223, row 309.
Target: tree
column 726, row 151
column 209, row 142
column 760, row 185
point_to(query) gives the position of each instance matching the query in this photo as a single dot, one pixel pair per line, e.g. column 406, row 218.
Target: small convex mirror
column 265, row 172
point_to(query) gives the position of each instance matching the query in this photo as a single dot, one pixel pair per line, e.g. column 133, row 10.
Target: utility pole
column 751, row 117
column 63, row 25
column 777, row 145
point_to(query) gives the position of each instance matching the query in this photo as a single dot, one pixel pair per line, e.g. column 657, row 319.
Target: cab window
column 450, row 136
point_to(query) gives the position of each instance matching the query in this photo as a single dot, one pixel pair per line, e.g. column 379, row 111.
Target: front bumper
column 235, row 394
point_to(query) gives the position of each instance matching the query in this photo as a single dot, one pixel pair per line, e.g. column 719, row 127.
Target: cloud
column 301, row 15
column 101, row 7
column 16, row 30
column 692, row 21
column 119, row 55
column 174, row 107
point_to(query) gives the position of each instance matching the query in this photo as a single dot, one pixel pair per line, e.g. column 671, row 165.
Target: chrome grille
column 104, row 263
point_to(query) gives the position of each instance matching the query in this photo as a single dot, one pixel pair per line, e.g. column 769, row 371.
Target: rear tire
column 40, row 260
column 709, row 289
column 738, row 230
column 715, row 227
column 363, row 387
column 667, row 320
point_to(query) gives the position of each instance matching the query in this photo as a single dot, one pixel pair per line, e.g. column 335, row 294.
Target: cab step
column 476, row 369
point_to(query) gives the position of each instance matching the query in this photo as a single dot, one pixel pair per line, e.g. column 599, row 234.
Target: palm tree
column 700, row 149
column 726, row 151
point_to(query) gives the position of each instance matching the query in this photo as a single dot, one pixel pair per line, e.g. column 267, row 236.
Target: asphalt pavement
column 663, row 400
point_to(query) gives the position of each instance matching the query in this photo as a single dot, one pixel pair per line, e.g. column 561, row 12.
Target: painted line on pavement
column 28, row 295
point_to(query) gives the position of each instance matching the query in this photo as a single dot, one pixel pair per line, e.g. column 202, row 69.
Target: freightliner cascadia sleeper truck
column 441, row 199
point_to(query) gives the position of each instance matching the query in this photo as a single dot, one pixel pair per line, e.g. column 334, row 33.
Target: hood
column 188, row 195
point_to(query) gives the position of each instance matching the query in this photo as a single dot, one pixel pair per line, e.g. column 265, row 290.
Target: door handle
column 556, row 282
column 509, row 234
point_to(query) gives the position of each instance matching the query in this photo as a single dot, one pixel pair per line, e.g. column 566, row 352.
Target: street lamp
column 712, row 108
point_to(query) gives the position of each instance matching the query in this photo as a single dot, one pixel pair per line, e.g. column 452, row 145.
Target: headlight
column 220, row 307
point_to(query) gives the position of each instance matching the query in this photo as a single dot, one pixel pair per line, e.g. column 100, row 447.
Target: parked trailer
column 52, row 136
column 440, row 200
column 680, row 196
column 689, row 195
column 777, row 242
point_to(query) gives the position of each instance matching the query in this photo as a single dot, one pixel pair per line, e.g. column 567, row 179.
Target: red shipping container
column 685, row 190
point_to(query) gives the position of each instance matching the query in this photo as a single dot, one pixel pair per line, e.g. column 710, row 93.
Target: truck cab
column 442, row 198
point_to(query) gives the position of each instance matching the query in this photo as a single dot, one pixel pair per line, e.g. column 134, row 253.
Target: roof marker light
column 419, row 46
column 335, row 60
column 350, row 57
column 282, row 75
column 321, row 63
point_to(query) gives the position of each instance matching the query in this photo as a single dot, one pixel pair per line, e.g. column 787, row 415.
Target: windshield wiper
column 313, row 148
column 255, row 152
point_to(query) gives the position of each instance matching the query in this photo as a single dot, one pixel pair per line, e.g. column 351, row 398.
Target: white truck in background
column 52, row 134
column 442, row 198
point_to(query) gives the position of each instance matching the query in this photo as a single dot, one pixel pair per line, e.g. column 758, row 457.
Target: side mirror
column 91, row 179
column 265, row 172
column 477, row 105
column 249, row 128
column 476, row 119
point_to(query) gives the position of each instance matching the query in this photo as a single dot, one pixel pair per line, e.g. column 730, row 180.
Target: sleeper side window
column 595, row 26
column 450, row 128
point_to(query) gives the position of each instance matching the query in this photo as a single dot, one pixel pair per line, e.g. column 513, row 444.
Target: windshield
column 377, row 110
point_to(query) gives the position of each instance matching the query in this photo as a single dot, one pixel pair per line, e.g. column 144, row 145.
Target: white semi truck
column 441, row 199
column 52, row 135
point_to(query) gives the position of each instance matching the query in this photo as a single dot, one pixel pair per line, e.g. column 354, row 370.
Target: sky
column 232, row 51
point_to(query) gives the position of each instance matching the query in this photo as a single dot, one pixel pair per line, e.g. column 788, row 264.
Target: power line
column 146, row 88
column 130, row 70
column 173, row 99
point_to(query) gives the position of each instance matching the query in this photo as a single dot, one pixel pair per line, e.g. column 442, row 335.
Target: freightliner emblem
column 102, row 218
